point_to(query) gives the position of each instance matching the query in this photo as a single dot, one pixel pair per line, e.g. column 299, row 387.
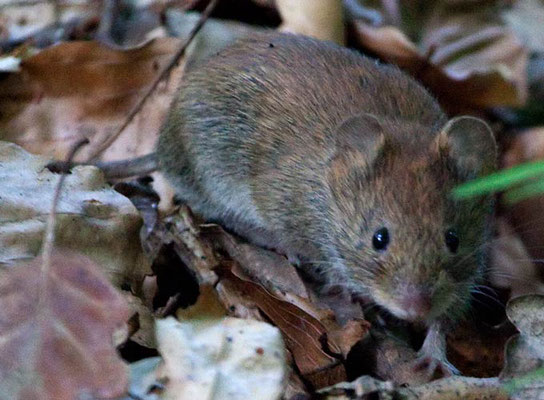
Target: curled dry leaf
column 525, row 352
column 59, row 346
column 92, row 218
column 208, row 355
column 263, row 280
column 82, row 89
column 468, row 58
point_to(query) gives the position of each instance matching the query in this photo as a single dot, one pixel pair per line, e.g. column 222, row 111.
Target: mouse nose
column 416, row 304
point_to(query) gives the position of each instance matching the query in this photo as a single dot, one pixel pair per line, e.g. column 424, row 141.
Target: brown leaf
column 347, row 336
column 477, row 350
column 511, row 266
column 526, row 216
column 270, row 269
column 84, row 89
column 60, row 348
column 303, row 334
column 468, row 58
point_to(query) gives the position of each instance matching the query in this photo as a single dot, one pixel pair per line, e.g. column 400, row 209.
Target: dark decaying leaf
column 477, row 350
column 60, row 346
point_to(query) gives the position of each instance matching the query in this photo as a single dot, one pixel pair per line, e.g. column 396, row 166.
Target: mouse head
column 402, row 238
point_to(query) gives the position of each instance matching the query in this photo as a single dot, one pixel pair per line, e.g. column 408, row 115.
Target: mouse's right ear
column 363, row 135
column 470, row 144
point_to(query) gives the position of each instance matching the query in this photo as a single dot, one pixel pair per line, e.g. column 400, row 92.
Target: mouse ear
column 470, row 144
column 363, row 134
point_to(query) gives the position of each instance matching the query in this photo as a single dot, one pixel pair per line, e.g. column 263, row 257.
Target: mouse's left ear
column 470, row 144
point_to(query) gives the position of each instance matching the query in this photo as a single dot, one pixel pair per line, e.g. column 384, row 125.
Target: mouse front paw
column 433, row 368
column 431, row 359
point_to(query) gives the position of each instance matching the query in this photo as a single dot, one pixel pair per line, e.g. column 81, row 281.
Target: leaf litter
column 480, row 66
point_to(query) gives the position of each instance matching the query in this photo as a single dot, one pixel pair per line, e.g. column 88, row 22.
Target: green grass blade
column 524, row 192
column 500, row 180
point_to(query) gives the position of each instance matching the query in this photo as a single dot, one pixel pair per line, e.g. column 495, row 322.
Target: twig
column 49, row 237
column 392, row 12
column 173, row 62
column 22, row 3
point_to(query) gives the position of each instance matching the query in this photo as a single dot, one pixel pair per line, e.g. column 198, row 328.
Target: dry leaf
column 468, row 58
column 60, row 346
column 454, row 388
column 84, row 89
column 525, row 352
column 322, row 19
column 511, row 266
column 211, row 356
column 525, row 19
column 143, row 320
column 477, row 350
column 92, row 218
column 144, row 379
column 81, row 89
column 304, row 335
column 526, row 216
column 265, row 267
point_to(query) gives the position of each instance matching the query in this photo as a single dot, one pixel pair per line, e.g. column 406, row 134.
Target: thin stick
column 173, row 62
column 49, row 237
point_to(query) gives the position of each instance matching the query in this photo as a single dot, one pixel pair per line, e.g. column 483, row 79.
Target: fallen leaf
column 525, row 352
column 57, row 331
column 303, row 334
column 144, row 380
column 511, row 266
column 92, row 218
column 477, row 350
column 322, row 19
column 526, row 216
column 84, row 89
column 465, row 54
column 221, row 357
column 453, row 388
column 265, row 267
column 144, row 335
column 525, row 19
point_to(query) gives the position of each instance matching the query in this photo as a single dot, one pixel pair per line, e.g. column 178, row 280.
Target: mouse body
column 340, row 162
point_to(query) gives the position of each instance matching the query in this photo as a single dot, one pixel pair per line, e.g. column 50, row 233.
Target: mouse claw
column 434, row 368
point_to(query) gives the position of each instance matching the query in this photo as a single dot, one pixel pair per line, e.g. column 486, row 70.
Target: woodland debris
column 91, row 217
column 57, row 331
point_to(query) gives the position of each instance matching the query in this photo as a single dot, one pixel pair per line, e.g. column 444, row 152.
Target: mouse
column 343, row 163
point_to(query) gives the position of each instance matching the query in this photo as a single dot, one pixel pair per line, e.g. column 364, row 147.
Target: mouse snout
column 416, row 303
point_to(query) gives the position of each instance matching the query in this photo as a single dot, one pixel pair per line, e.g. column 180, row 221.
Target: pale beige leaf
column 322, row 19
column 91, row 218
column 220, row 358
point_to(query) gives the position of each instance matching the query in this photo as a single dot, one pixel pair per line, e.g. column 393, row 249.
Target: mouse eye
column 380, row 240
column 452, row 240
